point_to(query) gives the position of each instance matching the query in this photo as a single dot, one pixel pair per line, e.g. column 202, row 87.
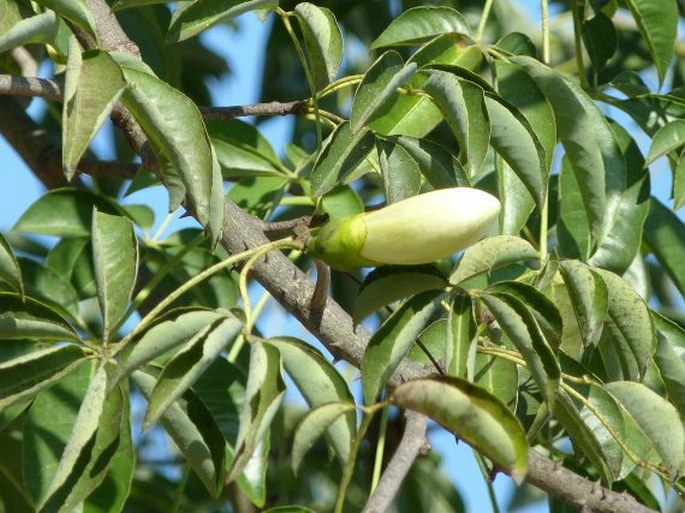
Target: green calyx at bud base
column 416, row 230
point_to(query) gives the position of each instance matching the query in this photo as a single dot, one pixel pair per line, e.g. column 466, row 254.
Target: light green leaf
column 628, row 325
column 420, row 24
column 658, row 22
column 263, row 396
column 27, row 375
column 169, row 331
column 83, row 432
column 323, row 40
column 259, row 195
column 573, row 226
column 498, row 376
column 192, row 427
column 401, row 173
column 75, row 209
column 314, row 424
column 461, row 337
column 342, row 153
column 670, row 359
column 76, row 11
column 668, row 138
column 9, row 267
column 377, row 90
column 517, row 43
column 679, row 184
column 187, row 365
column 589, row 298
column 341, row 201
column 389, row 345
column 387, row 284
column 93, row 85
column 491, row 253
column 45, row 285
column 656, row 417
column 519, row 324
column 472, row 414
column 436, row 163
column 115, row 256
column 463, row 106
column 513, row 138
column 664, row 233
column 41, row 28
column 203, row 14
column 178, row 136
column 24, row 317
column 319, row 383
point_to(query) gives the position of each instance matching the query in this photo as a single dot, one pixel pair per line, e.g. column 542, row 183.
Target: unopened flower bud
column 416, row 230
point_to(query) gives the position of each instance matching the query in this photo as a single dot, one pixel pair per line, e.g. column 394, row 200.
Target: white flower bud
column 416, row 230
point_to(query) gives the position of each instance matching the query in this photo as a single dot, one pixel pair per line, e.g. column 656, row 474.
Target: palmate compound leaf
column 93, row 85
column 472, row 414
column 391, row 342
column 323, row 40
column 319, row 383
column 115, row 258
column 179, row 139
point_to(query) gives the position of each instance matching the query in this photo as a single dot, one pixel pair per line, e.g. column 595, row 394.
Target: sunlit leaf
column 664, row 233
column 669, row 358
column 41, row 28
column 9, row 267
column 461, row 336
column 437, row 164
column 420, row 24
column 76, row 11
column 401, row 173
column 323, row 40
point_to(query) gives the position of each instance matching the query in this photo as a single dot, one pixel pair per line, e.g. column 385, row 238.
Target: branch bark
column 292, row 289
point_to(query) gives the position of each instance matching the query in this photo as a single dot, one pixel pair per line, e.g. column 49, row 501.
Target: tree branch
column 412, row 444
column 293, row 290
column 31, row 86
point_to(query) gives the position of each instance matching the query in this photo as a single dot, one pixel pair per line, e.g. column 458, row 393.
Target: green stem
column 544, row 228
column 162, row 227
column 352, row 458
column 242, row 285
column 380, row 449
column 340, row 84
column 285, row 16
column 488, row 482
column 577, row 22
column 180, row 489
column 483, row 19
column 544, row 213
column 228, row 262
column 544, row 13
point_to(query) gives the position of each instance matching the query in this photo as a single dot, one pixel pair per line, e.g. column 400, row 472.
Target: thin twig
column 108, row 169
column 31, row 86
column 257, row 109
column 412, row 444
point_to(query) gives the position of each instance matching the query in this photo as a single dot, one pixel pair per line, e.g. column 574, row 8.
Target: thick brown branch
column 258, row 109
column 413, row 444
column 108, row 169
column 30, row 86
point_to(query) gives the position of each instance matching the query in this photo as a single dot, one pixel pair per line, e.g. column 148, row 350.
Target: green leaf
column 420, row 24
column 491, row 253
column 47, row 286
column 192, row 427
column 314, row 424
column 289, row 509
column 668, row 138
column 76, row 11
column 378, row 88
column 26, row 375
column 679, row 184
column 658, row 23
column 669, row 359
column 517, row 43
column 436, row 163
column 387, row 284
column 259, row 195
column 187, row 365
column 178, row 135
column 573, row 226
column 401, row 173
column 263, row 396
column 168, row 332
column 583, row 131
column 203, row 14
column 341, row 201
column 463, row 106
column 658, row 419
column 628, row 325
column 9, row 267
column 521, row 91
column 342, row 153
column 461, row 337
column 514, row 139
column 48, row 427
column 41, row 28
column 664, row 233
column 323, row 40
column 389, row 345
column 320, row 383
column 600, row 39
column 498, row 376
column 75, row 209
column 29, row 321
column 472, row 414
column 627, row 206
column 589, row 298
column 14, row 495
column 519, row 324
column 242, row 151
column 115, row 255
column 93, row 84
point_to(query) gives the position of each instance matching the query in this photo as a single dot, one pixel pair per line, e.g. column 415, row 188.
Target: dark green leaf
column 258, row 195
column 9, row 267
column 573, row 226
column 472, row 414
column 420, row 24
column 437, row 164
column 401, row 173
column 600, row 38
column 668, row 138
column 669, row 359
column 664, row 233
column 461, row 337
column 341, row 201
column 76, row 11
column 323, row 40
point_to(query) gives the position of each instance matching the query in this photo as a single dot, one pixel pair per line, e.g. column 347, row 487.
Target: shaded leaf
column 341, row 201
column 401, row 173
column 323, row 40
column 9, row 267
column 472, row 414
column 600, row 39
column 389, row 345
column 669, row 358
column 76, row 11
column 41, row 28
column 664, row 233
column 436, row 163
column 420, row 24
column 668, row 138
column 461, row 337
